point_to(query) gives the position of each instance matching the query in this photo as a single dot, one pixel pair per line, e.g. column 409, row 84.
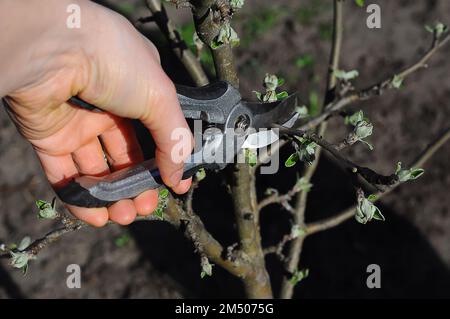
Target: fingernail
column 175, row 178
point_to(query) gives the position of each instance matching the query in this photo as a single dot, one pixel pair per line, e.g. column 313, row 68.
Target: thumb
column 125, row 78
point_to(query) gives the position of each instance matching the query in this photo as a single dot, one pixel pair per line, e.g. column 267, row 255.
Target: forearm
column 31, row 31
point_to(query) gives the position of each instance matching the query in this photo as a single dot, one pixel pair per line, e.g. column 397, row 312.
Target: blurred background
column 291, row 39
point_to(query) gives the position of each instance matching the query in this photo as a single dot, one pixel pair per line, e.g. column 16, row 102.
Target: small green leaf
column 354, row 118
column 163, row 199
column 251, row 157
column 346, row 76
column 258, row 95
column 363, row 129
column 237, row 4
column 20, row 260
column 411, row 174
column 397, row 82
column 302, row 111
column 280, row 82
column 398, row 168
column 292, row 160
column 360, row 3
column 282, row 95
column 304, row 185
column 24, row 243
column 377, row 215
column 159, row 213
column 201, row 174
column 306, row 150
column 416, row 173
column 226, row 35
column 206, row 267
column 372, row 197
column 163, row 193
column 298, row 276
column 438, row 29
column 270, row 96
column 296, row 231
column 271, row 82
column 429, row 29
column 366, row 210
column 46, row 210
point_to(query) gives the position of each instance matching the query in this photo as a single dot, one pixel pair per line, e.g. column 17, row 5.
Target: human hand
column 106, row 63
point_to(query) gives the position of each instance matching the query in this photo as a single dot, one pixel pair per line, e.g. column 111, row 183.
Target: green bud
column 304, row 185
column 366, row 210
column 201, row 174
column 251, row 156
column 363, row 129
column 46, row 210
column 206, row 267
column 302, row 111
column 296, row 231
column 226, row 35
column 20, row 260
column 397, row 82
column 292, row 160
column 271, row 82
column 354, row 118
column 24, row 243
column 237, row 4
column 270, row 96
column 346, row 76
column 298, row 276
column 411, row 174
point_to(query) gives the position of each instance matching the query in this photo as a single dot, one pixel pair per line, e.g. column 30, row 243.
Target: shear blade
column 260, row 139
column 268, row 137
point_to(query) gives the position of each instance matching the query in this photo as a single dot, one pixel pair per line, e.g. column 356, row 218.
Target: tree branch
column 210, row 16
column 179, row 47
column 348, row 213
column 295, row 249
column 176, row 216
column 375, row 89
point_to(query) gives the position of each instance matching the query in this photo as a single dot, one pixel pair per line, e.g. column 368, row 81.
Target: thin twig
column 177, row 44
column 295, row 249
column 367, row 93
column 174, row 215
column 375, row 89
column 281, row 199
column 372, row 177
column 348, row 213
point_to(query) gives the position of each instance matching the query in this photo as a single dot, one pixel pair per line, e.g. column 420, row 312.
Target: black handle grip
column 88, row 191
column 211, row 103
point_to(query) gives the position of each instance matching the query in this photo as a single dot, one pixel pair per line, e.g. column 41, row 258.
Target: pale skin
column 106, row 62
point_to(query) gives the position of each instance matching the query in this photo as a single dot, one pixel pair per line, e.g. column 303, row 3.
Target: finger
column 90, row 159
column 135, row 86
column 173, row 138
column 122, row 148
column 59, row 170
column 183, row 186
column 146, row 202
column 121, row 145
column 97, row 217
column 123, row 212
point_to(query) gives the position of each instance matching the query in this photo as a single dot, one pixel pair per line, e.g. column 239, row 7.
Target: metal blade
column 267, row 114
column 267, row 137
column 260, row 139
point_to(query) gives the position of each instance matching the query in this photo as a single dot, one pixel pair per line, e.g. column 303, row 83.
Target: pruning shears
column 233, row 124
